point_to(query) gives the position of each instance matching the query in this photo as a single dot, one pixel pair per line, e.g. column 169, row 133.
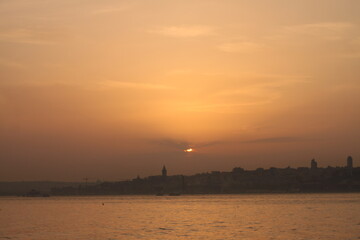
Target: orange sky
column 111, row 89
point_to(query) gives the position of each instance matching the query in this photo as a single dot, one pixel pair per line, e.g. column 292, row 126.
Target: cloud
column 208, row 144
column 317, row 28
column 331, row 31
column 356, row 41
column 250, row 91
column 120, row 84
column 11, row 64
column 239, row 47
column 171, row 143
column 353, row 55
column 245, row 94
column 226, row 107
column 109, row 84
column 275, row 140
column 184, row 31
column 27, row 36
column 108, row 10
column 112, row 9
column 345, row 87
column 265, row 87
column 354, row 49
column 182, row 145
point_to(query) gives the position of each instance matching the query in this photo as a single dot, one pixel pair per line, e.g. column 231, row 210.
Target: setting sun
column 189, row 150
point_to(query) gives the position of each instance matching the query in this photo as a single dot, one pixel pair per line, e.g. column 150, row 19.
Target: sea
column 243, row 216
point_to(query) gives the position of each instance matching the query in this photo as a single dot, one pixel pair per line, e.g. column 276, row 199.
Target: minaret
column 349, row 165
column 164, row 171
column 349, row 162
column 313, row 164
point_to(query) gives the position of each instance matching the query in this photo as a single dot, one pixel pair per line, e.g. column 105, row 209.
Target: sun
column 189, row 150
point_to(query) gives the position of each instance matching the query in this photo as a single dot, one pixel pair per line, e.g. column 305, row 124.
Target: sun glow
column 189, row 150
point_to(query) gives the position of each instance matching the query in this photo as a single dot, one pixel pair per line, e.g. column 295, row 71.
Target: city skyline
column 311, row 178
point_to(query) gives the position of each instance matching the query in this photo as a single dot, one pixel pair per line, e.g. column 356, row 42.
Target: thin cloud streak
column 330, row 31
column 171, row 143
column 140, row 85
column 181, row 144
column 260, row 89
column 240, row 47
column 275, row 140
column 320, row 28
column 226, row 107
column 88, row 85
column 27, row 36
column 184, row 31
column 11, row 64
column 112, row 9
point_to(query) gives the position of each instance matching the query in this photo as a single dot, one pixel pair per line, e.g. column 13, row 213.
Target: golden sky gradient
column 111, row 89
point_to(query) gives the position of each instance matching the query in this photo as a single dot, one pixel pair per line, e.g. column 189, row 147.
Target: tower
column 349, row 165
column 349, row 162
column 313, row 164
column 164, row 171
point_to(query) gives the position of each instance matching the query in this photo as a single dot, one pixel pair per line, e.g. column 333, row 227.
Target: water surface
column 266, row 216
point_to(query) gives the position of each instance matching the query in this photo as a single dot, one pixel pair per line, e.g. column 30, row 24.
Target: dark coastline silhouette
column 272, row 180
column 239, row 180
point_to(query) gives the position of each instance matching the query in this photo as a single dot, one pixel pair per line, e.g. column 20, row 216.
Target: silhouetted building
column 164, row 171
column 349, row 165
column 238, row 170
column 349, row 162
column 313, row 164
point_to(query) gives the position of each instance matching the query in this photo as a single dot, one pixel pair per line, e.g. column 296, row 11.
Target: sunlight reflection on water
column 267, row 216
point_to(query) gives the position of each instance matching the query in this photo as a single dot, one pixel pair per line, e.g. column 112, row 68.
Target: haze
column 112, row 89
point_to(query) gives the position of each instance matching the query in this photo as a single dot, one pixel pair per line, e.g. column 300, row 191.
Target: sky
column 108, row 90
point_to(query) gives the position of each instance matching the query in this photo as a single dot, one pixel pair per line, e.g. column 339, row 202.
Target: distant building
column 164, row 171
column 313, row 164
column 238, row 170
column 349, row 162
column 349, row 165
